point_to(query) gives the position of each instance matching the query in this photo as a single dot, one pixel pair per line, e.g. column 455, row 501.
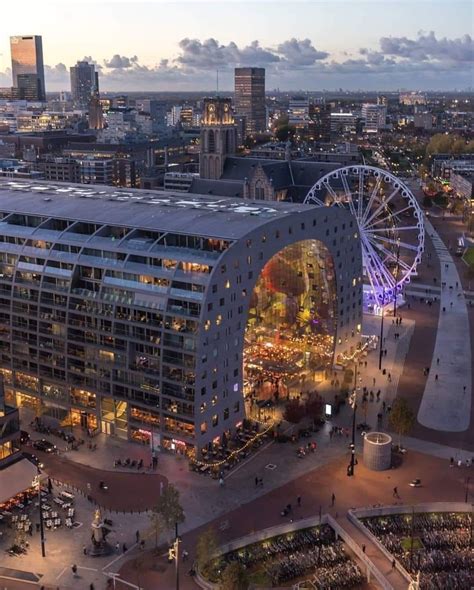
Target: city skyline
column 179, row 46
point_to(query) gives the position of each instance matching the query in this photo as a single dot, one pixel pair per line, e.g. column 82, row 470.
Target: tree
column 401, row 418
column 169, row 508
column 235, row 577
column 206, row 548
column 294, row 411
column 157, row 525
column 314, row 407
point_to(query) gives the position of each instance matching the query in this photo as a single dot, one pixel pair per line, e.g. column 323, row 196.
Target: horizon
column 173, row 46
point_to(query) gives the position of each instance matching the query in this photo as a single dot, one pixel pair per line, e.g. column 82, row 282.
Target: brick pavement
column 440, row 483
column 126, row 491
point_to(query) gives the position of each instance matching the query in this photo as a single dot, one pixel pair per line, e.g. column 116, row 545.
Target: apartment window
column 226, row 413
column 221, row 302
column 203, row 407
column 203, row 427
column 215, row 420
column 227, row 284
column 203, row 391
column 236, row 407
column 214, row 400
column 214, row 288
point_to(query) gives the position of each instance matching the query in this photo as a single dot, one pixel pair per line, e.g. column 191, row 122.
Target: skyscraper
column 250, row 97
column 84, row 83
column 27, row 67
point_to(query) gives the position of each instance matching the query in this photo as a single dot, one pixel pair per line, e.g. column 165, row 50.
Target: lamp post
column 351, row 466
column 396, row 279
column 381, row 331
column 176, row 554
column 43, row 548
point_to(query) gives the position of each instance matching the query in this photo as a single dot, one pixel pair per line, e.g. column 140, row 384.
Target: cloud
column 58, row 74
column 300, row 52
column 120, row 62
column 210, row 54
column 424, row 61
column 427, row 47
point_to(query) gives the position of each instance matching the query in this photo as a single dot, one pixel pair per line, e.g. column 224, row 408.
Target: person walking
column 298, row 501
column 137, row 536
column 393, row 564
column 395, row 492
column 256, row 482
column 363, row 548
column 333, row 499
column 91, row 586
column 74, row 570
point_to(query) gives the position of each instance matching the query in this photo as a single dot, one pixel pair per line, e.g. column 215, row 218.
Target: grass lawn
column 469, row 257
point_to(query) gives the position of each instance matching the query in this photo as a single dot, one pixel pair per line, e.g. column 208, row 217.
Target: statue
column 100, row 545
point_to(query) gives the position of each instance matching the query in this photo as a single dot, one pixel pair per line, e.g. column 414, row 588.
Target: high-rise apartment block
column 28, row 67
column 374, row 116
column 84, row 83
column 250, row 98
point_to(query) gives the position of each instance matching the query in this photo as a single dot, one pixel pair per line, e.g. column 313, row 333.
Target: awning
column 16, row 478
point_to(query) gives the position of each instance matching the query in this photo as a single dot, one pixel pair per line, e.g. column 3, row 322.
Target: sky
column 303, row 44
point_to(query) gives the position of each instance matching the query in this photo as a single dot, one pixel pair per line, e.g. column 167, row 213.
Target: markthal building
column 150, row 315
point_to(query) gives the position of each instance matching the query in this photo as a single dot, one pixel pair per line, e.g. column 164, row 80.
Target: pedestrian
column 395, row 492
column 74, row 570
column 363, row 548
column 298, row 501
column 137, row 536
column 124, row 548
column 373, row 381
column 437, row 361
column 464, row 389
column 333, row 499
column 451, row 462
column 221, row 481
column 91, row 586
column 185, row 555
column 142, row 545
column 84, row 550
column 393, row 564
column 436, row 377
column 256, row 481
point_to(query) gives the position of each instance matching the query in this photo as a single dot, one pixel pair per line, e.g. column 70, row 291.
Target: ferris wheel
column 389, row 219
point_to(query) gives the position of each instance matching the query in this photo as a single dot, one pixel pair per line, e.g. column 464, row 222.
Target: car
column 44, row 445
column 33, row 458
column 415, row 483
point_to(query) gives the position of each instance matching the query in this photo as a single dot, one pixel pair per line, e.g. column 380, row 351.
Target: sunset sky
column 379, row 44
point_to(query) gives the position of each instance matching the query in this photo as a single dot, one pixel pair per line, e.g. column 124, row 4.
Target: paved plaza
column 446, row 403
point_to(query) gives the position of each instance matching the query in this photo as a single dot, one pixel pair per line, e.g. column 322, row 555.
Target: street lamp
column 38, row 483
column 381, row 330
column 351, row 466
column 396, row 279
column 173, row 554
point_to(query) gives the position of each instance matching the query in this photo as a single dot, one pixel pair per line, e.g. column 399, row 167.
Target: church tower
column 218, row 137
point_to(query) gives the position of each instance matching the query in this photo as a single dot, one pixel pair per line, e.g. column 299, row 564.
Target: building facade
column 84, row 83
column 27, row 66
column 374, row 116
column 249, row 98
column 141, row 314
column 218, row 137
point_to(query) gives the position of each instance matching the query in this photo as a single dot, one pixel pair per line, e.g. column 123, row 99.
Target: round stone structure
column 377, row 451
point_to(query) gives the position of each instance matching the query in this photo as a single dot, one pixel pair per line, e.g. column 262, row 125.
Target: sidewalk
column 446, row 402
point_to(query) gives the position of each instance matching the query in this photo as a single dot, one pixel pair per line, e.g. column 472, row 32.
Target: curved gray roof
column 186, row 213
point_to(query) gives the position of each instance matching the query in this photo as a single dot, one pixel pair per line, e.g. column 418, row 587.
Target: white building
column 374, row 116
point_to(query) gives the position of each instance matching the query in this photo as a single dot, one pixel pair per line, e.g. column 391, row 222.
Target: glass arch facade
column 291, row 326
